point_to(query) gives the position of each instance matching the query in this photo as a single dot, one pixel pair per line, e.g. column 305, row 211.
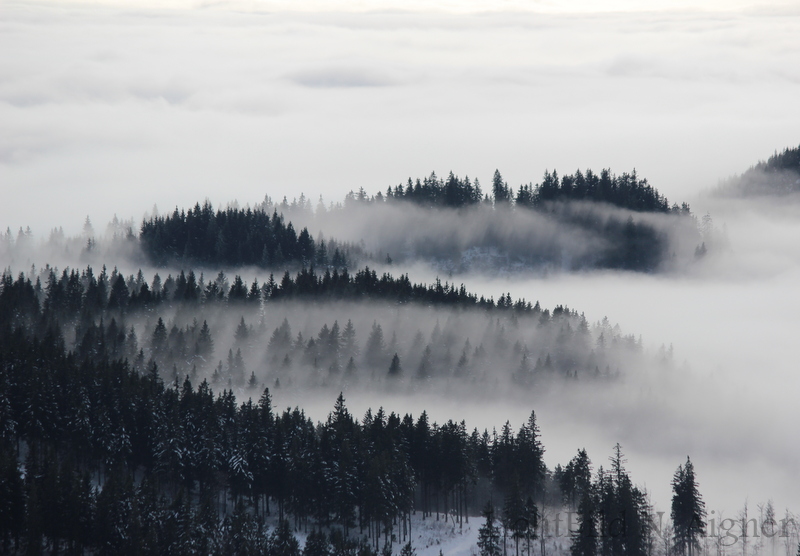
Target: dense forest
column 234, row 237
column 778, row 175
column 121, row 431
column 97, row 457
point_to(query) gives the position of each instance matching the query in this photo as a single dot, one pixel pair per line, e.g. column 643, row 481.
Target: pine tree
column 159, row 342
column 500, row 189
column 349, row 348
column 376, row 347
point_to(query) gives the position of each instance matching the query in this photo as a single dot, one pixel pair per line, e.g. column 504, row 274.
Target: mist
column 729, row 403
column 561, row 236
column 703, row 364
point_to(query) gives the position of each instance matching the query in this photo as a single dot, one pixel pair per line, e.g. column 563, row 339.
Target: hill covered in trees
column 581, row 221
column 625, row 191
column 778, row 175
column 335, row 331
column 574, row 222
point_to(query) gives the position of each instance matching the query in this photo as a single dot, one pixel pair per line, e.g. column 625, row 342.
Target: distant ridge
column 778, row 175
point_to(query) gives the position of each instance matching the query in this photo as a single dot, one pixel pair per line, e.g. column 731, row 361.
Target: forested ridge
column 778, row 175
column 240, row 336
column 238, row 237
column 627, row 190
column 121, row 432
column 609, row 215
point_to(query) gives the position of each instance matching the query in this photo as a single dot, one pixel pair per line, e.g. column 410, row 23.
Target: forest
column 431, row 334
column 116, row 415
column 624, row 191
column 137, row 412
column 234, row 237
column 118, row 462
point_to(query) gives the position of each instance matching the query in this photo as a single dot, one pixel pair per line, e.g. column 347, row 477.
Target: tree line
column 625, row 242
column 234, row 236
column 627, row 190
column 83, row 293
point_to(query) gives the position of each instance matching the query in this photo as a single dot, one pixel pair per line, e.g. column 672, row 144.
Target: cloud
column 341, row 77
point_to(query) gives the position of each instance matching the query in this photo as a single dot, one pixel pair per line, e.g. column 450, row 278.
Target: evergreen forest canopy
column 572, row 226
column 778, row 175
column 234, row 237
column 625, row 191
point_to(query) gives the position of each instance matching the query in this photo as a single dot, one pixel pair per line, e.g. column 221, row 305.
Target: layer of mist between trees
column 559, row 235
column 239, row 337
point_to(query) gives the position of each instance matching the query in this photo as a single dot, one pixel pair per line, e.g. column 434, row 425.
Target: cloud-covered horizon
column 125, row 106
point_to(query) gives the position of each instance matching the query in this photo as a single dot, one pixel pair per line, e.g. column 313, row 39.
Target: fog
column 725, row 395
column 559, row 237
column 733, row 324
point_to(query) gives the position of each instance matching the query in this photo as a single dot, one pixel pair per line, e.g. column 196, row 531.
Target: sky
column 110, row 107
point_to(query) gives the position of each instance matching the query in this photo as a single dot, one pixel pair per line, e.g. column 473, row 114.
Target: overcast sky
column 111, row 107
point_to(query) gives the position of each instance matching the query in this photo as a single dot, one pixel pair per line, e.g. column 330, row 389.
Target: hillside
column 778, row 175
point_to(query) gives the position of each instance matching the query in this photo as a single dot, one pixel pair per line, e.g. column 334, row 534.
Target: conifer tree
column 394, row 368
column 489, row 534
column 584, row 540
column 688, row 510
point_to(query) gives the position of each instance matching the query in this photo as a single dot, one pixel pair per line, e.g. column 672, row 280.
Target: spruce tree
column 394, row 368
column 688, row 510
column 489, row 534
